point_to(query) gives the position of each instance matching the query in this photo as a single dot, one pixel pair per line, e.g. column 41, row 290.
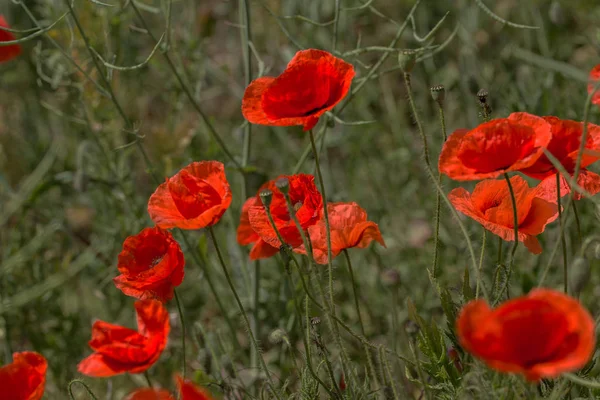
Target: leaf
column 466, row 287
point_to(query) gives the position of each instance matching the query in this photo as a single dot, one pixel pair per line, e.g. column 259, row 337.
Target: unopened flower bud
column 406, row 60
column 283, row 184
column 455, row 358
column 580, row 275
column 482, row 95
column 438, row 93
column 266, row 196
column 277, row 336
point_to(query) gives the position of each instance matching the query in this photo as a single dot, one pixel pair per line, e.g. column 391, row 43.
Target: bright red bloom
column 151, row 265
column 313, row 83
column 11, row 51
column 150, row 394
column 246, row 235
column 593, row 81
column 119, row 349
column 566, row 139
column 189, row 391
column 24, row 378
column 490, row 204
column 307, row 202
column 495, row 147
column 194, row 198
column 540, row 335
column 349, row 228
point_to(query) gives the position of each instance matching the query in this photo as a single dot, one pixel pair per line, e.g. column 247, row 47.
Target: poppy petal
column 25, row 377
column 189, row 391
column 9, row 52
column 150, row 394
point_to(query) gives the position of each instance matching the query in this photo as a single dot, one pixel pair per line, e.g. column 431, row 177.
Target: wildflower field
column 295, row 199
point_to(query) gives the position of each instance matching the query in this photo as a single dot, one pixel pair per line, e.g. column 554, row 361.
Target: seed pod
column 438, row 93
column 406, row 60
column 266, row 196
column 283, row 184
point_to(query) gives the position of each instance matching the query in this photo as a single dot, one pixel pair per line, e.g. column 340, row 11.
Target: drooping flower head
column 349, row 228
column 246, row 235
column 118, row 350
column 312, row 84
column 564, row 146
column 490, row 204
column 593, row 81
column 151, row 265
column 540, row 335
column 24, row 378
column 11, row 51
column 307, row 203
column 495, row 147
column 194, row 198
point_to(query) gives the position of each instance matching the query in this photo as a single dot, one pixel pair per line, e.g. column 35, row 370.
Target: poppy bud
column 277, row 336
column 266, row 196
column 580, row 275
column 482, row 95
column 438, row 93
column 342, row 383
column 390, row 277
column 406, row 60
column 283, row 184
column 314, row 321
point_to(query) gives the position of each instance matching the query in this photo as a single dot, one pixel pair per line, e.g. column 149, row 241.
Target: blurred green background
column 73, row 184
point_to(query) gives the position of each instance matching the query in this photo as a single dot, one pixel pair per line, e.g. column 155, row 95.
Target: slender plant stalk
column 515, row 230
column 577, row 222
column 420, row 371
column 245, row 22
column 500, row 242
column 432, row 176
column 562, row 236
column 336, row 21
column 212, row 287
column 392, row 378
column 255, row 309
column 243, row 312
column 82, row 383
column 107, row 85
column 182, row 321
column 186, row 90
column 148, row 381
column 355, row 291
column 481, row 257
column 438, row 205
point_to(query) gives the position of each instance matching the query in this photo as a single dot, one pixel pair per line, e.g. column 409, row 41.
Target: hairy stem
column 182, row 321
column 562, row 236
column 355, row 291
column 481, row 257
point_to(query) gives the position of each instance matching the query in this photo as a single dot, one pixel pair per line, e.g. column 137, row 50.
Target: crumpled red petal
column 24, row 378
column 194, row 198
column 189, row 391
column 593, row 81
column 313, row 83
column 150, row 394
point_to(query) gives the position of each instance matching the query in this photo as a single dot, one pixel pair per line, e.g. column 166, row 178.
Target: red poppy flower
column 349, row 228
column 150, row 394
column 566, row 139
column 495, row 147
column 246, row 235
column 312, row 84
column 307, row 203
column 194, row 198
column 189, row 391
column 11, row 51
column 24, row 378
column 151, row 265
column 119, row 349
column 491, row 206
column 540, row 335
column 593, row 81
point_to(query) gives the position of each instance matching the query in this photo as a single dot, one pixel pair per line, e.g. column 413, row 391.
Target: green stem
column 417, row 119
column 515, row 230
column 336, row 20
column 182, row 320
column 243, row 312
column 212, row 287
column 562, row 236
column 148, row 381
column 244, row 10
column 577, row 222
column 111, row 93
column 420, row 371
column 255, row 309
column 582, row 382
column 355, row 291
column 481, row 257
column 500, row 242
column 186, row 90
column 438, row 205
column 82, row 383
